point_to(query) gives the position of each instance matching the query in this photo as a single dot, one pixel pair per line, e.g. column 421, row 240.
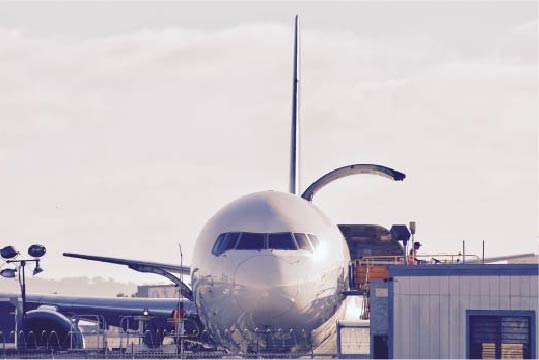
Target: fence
column 120, row 344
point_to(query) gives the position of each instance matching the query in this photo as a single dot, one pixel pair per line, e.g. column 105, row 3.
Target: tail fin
column 295, row 138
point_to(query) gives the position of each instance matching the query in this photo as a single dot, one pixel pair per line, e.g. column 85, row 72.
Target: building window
column 500, row 334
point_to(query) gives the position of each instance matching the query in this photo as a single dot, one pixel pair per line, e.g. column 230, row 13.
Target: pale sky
column 125, row 126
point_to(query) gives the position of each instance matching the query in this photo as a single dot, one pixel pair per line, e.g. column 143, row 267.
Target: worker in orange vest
column 412, row 260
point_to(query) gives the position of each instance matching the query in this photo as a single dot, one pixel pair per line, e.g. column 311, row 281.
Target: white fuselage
column 243, row 292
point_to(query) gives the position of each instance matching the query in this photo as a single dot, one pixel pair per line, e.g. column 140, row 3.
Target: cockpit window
column 281, row 241
column 230, row 241
column 252, row 241
column 257, row 241
column 218, row 244
column 303, row 242
column 314, row 240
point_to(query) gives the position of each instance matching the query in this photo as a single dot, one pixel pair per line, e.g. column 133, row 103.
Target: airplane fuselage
column 268, row 263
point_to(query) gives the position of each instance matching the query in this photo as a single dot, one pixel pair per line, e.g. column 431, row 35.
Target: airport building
column 455, row 311
column 157, row 291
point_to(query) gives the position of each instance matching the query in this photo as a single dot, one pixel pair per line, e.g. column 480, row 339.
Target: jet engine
column 49, row 329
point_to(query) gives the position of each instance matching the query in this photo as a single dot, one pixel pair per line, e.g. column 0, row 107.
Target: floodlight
column 412, row 227
column 8, row 273
column 8, row 252
column 400, row 232
column 37, row 269
column 37, row 251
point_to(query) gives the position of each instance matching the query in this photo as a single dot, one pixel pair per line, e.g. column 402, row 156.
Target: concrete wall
column 428, row 313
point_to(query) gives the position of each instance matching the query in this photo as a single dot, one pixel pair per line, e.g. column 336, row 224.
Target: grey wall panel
column 469, row 285
column 484, row 302
column 434, row 285
column 407, row 325
column 516, row 303
column 444, row 285
column 414, row 286
column 424, row 286
column 425, row 326
column 475, row 301
column 505, row 302
column 414, row 326
column 494, row 285
column 444, row 326
column 404, row 284
column 515, row 285
column 454, row 325
column 398, row 327
column 464, row 304
column 494, row 302
column 528, row 303
column 397, row 286
column 454, row 285
column 505, row 285
column 525, row 285
column 534, row 287
column 434, row 328
column 484, row 286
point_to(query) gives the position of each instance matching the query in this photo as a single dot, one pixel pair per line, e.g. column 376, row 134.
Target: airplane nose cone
column 266, row 288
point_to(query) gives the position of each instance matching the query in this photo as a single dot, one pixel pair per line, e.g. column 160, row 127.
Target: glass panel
column 314, row 240
column 303, row 242
column 230, row 242
column 488, row 351
column 217, row 246
column 251, row 241
column 281, row 241
column 495, row 336
column 512, row 351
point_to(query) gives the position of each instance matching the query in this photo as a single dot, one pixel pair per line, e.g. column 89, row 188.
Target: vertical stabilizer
column 294, row 145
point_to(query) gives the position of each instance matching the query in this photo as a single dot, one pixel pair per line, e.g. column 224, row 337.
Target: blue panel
column 390, row 300
column 7, row 319
column 378, row 308
column 530, row 314
column 463, row 269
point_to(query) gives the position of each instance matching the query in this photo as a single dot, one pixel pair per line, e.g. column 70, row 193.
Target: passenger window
column 251, row 241
column 314, row 240
column 216, row 250
column 281, row 241
column 230, row 242
column 303, row 242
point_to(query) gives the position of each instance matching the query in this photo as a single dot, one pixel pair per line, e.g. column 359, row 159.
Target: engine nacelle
column 50, row 329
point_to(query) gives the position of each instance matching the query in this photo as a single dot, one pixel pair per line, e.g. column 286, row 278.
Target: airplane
column 269, row 265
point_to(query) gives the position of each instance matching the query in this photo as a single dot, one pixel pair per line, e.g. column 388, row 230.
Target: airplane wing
column 133, row 263
column 165, row 270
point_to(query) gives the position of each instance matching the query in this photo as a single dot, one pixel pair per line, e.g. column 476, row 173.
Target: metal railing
column 363, row 270
column 423, row 259
column 281, row 343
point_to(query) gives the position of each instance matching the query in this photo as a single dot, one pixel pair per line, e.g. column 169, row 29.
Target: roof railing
column 420, row 259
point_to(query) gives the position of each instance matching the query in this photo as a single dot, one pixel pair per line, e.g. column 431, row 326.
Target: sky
column 125, row 126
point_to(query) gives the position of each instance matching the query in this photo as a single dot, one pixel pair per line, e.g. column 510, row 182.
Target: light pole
column 10, row 255
column 180, row 303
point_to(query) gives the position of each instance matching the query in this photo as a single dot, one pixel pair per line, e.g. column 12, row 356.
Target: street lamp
column 180, row 328
column 9, row 253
